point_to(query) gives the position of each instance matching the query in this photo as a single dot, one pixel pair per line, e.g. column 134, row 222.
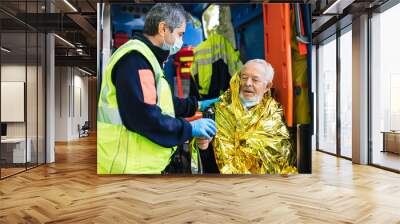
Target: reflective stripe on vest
column 216, row 47
column 195, row 158
column 118, row 149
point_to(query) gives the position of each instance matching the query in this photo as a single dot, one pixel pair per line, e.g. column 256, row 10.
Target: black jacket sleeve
column 185, row 107
column 219, row 82
column 140, row 117
column 208, row 160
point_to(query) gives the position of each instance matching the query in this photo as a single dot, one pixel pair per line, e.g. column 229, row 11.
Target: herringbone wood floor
column 69, row 191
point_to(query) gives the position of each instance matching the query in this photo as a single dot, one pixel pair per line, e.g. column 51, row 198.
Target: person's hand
column 203, row 128
column 206, row 103
column 203, row 143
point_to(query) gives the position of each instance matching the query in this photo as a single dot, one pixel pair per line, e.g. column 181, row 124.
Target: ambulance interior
column 279, row 33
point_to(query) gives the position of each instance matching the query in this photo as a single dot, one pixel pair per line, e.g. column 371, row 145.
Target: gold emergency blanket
column 254, row 141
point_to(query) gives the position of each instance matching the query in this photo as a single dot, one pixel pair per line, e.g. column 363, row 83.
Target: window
column 327, row 96
column 217, row 20
column 346, row 93
column 385, row 89
column 22, row 101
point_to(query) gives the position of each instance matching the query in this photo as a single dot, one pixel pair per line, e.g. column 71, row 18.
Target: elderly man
column 252, row 137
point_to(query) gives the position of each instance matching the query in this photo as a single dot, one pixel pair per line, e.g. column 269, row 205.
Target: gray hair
column 172, row 14
column 267, row 67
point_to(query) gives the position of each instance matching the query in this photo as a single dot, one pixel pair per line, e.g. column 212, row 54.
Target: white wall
column 71, row 102
column 80, row 98
column 61, row 103
column 12, row 73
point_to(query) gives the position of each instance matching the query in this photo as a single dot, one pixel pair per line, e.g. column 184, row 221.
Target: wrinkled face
column 171, row 37
column 253, row 83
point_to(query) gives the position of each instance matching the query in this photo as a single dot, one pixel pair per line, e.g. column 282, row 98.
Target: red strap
column 302, row 46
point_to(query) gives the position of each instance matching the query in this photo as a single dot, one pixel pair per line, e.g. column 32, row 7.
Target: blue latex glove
column 206, row 103
column 203, row 128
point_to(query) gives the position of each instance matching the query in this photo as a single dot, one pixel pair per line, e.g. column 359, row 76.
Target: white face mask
column 249, row 103
column 174, row 48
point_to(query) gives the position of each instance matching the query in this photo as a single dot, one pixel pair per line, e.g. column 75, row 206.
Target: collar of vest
column 161, row 55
